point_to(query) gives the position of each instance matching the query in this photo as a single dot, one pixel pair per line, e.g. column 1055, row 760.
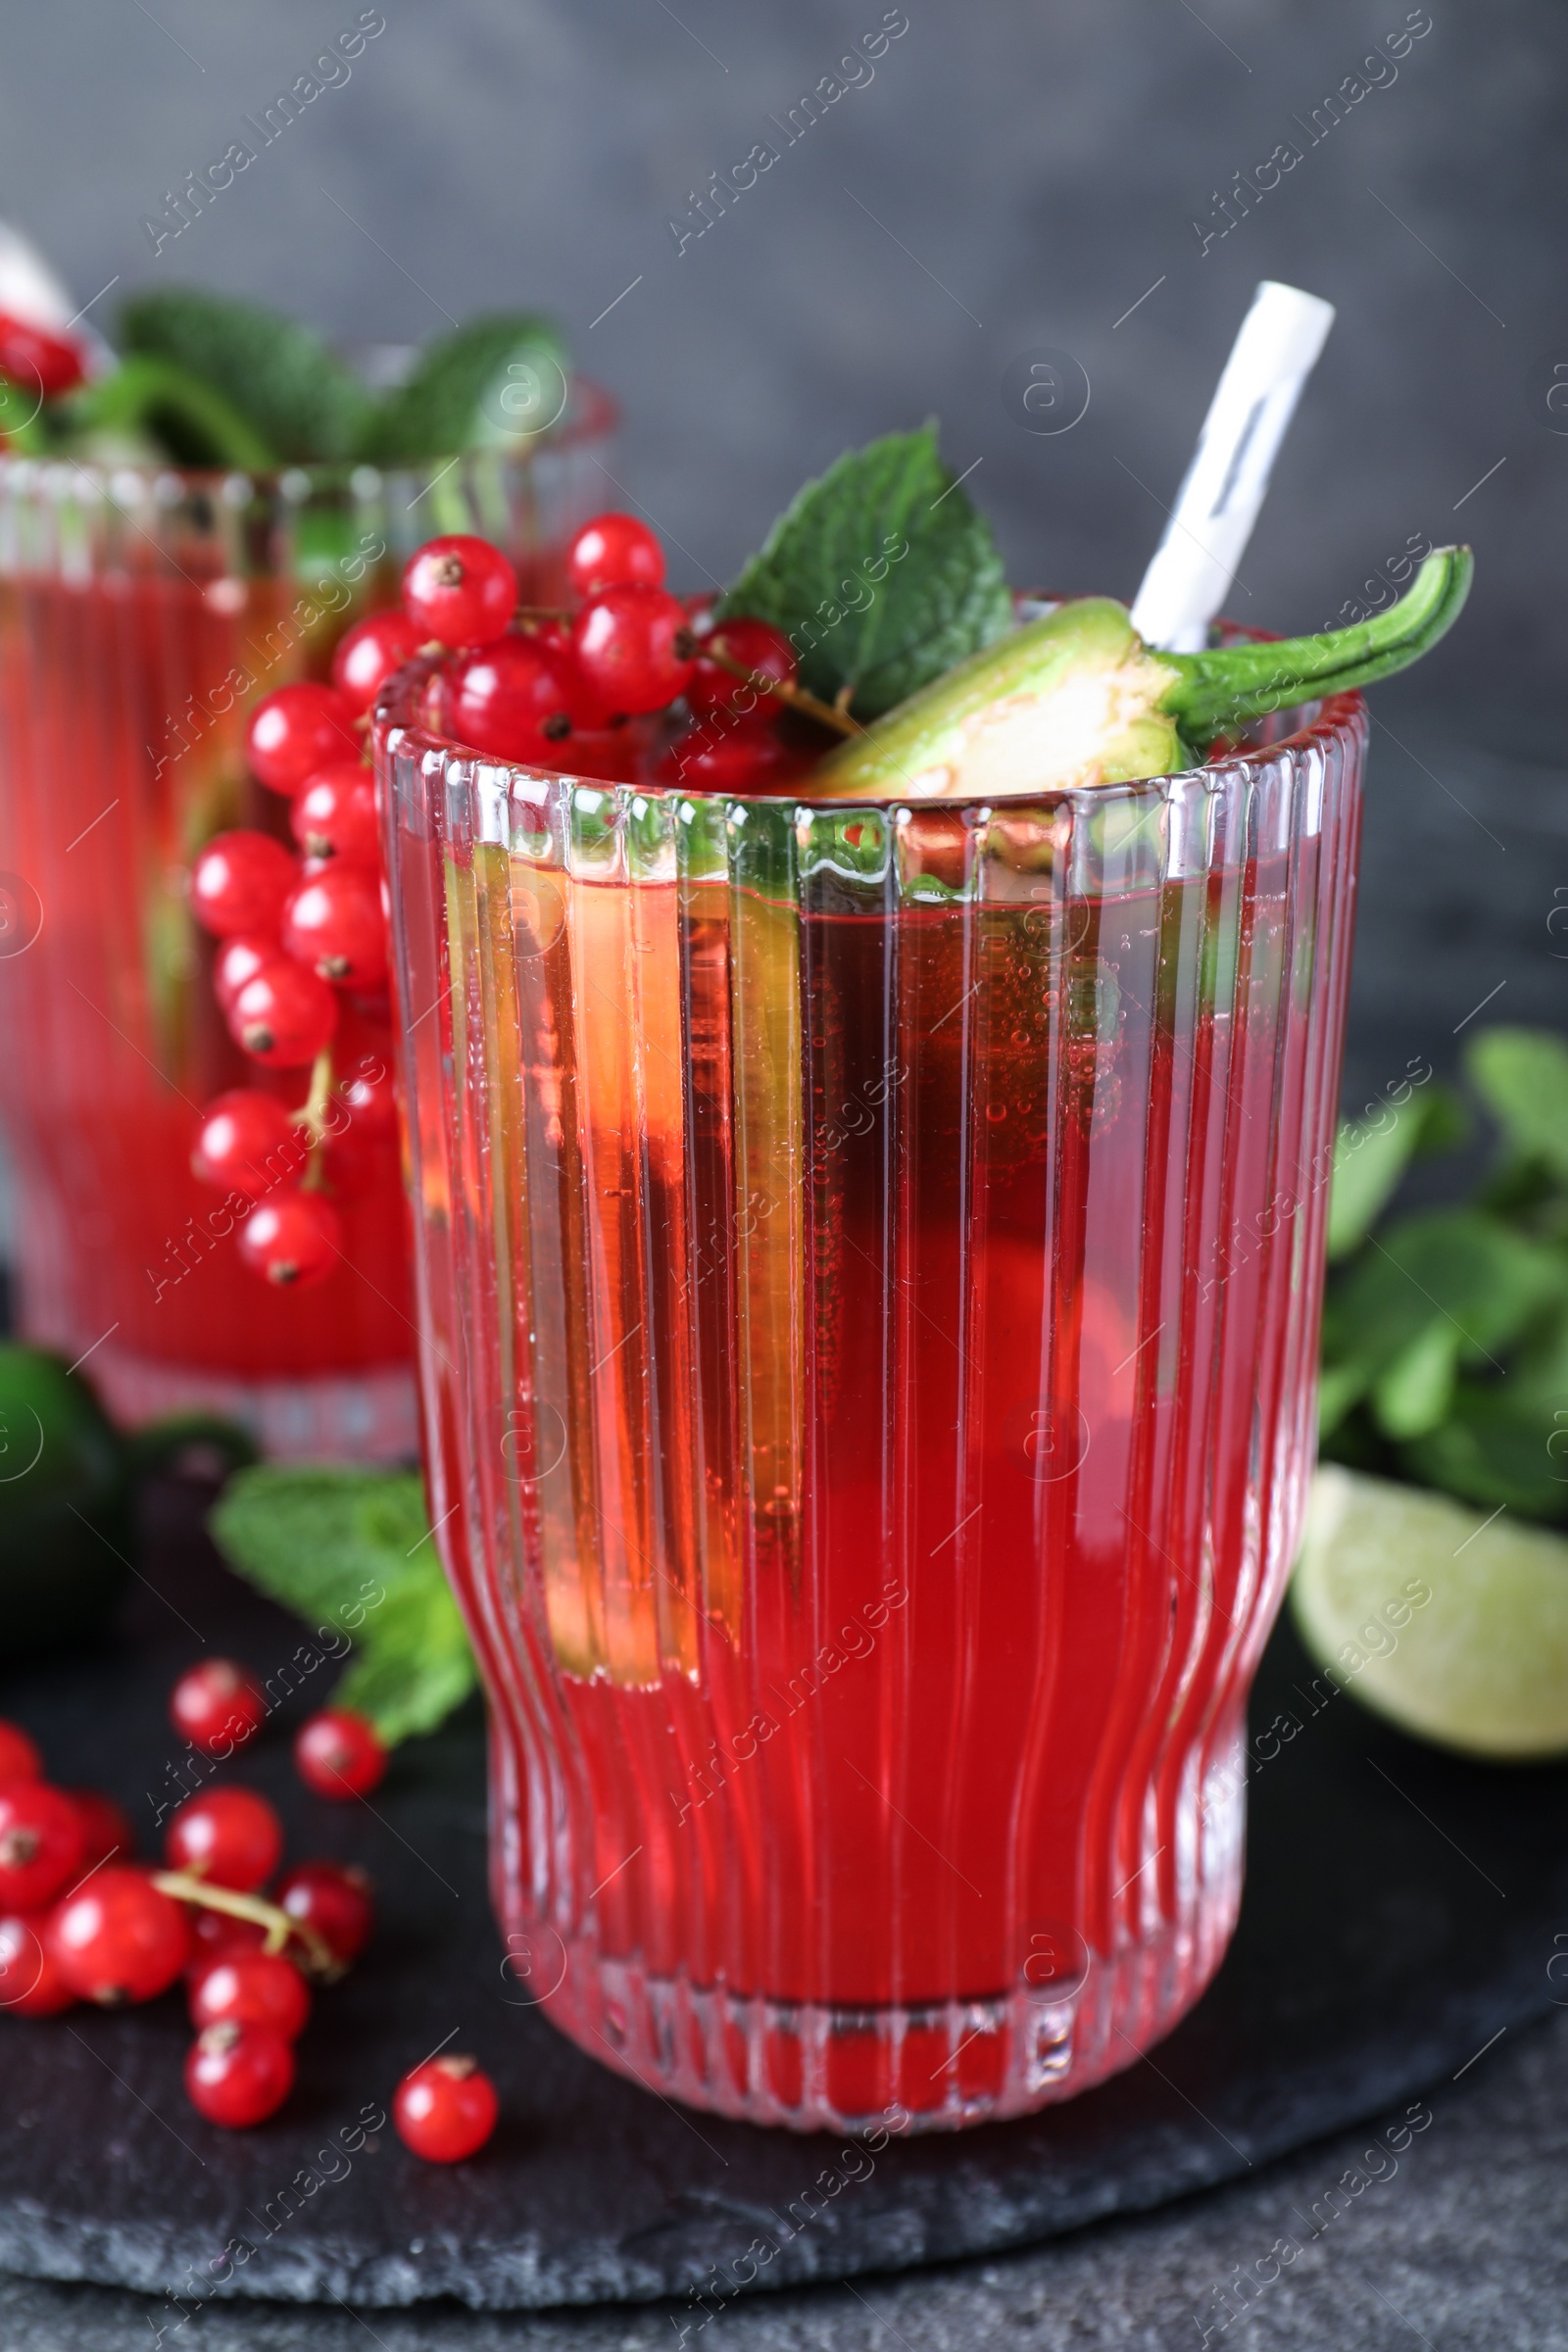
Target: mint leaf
column 881, row 574
column 301, row 400
column 1370, row 1159
column 1490, row 1453
column 352, row 1550
column 493, row 385
column 1522, row 1077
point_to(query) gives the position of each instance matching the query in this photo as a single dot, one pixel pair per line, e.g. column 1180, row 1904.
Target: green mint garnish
column 302, row 401
column 494, row 383
column 1445, row 1332
column 352, row 1550
column 882, row 575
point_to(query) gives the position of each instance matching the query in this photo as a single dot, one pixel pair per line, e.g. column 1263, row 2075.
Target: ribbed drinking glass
column 869, row 1264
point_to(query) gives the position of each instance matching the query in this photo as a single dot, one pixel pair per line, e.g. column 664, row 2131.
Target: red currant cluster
column 567, row 688
column 303, row 953
column 82, row 1919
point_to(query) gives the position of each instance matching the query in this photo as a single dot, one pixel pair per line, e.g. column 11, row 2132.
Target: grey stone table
column 1458, row 2241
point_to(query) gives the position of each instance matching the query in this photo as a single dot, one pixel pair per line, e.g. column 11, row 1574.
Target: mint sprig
column 301, row 401
column 1445, row 1332
column 352, row 1550
column 882, row 575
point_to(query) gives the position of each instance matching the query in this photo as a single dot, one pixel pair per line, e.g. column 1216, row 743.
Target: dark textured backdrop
column 1004, row 177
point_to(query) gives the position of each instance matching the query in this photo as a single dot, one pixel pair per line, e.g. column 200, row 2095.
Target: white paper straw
column 1190, row 576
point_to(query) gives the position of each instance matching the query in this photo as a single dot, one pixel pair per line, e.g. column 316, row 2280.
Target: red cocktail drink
column 870, row 1262
column 141, row 616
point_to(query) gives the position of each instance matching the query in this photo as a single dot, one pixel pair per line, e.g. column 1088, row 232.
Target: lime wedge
column 1453, row 1626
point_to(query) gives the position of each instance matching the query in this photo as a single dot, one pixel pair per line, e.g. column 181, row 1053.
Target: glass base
column 938, row 2067
column 370, row 1416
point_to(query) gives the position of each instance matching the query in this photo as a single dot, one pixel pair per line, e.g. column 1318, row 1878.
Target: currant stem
column 313, row 1118
column 796, row 696
column 186, row 1887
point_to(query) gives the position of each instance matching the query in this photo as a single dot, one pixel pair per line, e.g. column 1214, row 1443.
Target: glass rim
column 297, row 483
column 1336, row 722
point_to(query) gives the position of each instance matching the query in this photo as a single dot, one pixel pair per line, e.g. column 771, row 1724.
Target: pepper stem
column 186, row 1887
column 1233, row 683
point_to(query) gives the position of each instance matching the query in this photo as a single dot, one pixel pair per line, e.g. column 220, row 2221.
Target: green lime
column 1452, row 1625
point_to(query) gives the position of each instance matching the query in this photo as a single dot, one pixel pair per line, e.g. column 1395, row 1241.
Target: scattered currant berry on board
column 292, row 1241
column 284, row 1015
column 335, row 1900
column 296, row 730
column 334, row 816
column 41, row 1838
column 339, row 1753
column 753, row 645
column 238, row 2075
column 217, row 1706
column 249, row 1144
column 250, row 1988
column 19, row 1759
column 445, row 2109
column 509, row 700
column 216, row 1933
column 240, row 882
column 614, row 551
column 460, row 591
column 634, row 647
column 231, row 1837
column 119, row 1937
column 105, row 1830
column 31, row 1982
column 368, row 653
column 334, row 923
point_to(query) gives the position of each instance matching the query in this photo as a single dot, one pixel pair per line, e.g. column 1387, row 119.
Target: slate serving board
column 1401, row 1909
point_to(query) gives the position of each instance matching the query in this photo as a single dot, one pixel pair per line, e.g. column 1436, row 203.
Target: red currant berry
column 293, row 1241
column 509, row 700
column 720, row 756
column 339, row 1753
column 283, row 1015
column 358, row 1166
column 445, row 2109
column 31, row 1983
column 239, row 883
column 334, row 1900
column 214, row 1935
column 106, row 1830
column 229, row 1836
column 41, row 1838
column 614, row 551
column 19, row 1759
column 250, row 1988
column 238, row 2075
column 756, row 646
column 334, row 816
column 368, row 653
column 248, row 1143
column 370, row 1097
column 334, row 923
column 460, row 591
column 217, row 1706
column 634, row 648
column 613, row 755
column 37, row 359
column 237, row 960
column 119, row 1937
column 296, row 730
